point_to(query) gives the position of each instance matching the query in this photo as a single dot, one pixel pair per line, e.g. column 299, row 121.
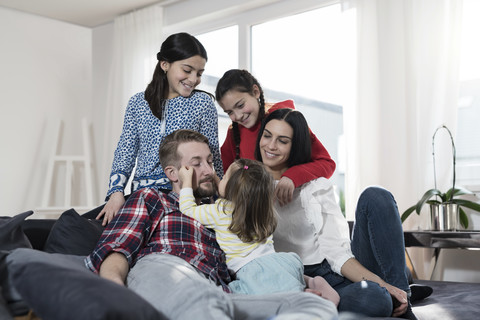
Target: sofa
column 42, row 271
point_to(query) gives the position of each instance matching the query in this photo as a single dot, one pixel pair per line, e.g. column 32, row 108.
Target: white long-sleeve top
column 218, row 216
column 313, row 226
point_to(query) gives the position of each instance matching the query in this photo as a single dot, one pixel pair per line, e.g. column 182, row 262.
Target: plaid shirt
column 151, row 222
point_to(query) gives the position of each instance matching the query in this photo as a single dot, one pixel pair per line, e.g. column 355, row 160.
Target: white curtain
column 137, row 39
column 406, row 86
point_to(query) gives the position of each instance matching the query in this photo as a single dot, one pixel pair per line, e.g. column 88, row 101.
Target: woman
column 369, row 274
column 241, row 97
column 170, row 102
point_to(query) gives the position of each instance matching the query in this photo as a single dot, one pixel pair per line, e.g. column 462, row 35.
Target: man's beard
column 203, row 191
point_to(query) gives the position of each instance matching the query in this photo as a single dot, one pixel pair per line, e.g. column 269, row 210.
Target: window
column 306, row 57
column 222, row 52
column 467, row 140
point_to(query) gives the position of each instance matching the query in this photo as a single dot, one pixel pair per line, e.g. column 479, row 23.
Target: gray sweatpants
column 180, row 292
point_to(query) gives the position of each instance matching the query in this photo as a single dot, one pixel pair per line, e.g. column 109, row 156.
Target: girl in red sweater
column 241, row 97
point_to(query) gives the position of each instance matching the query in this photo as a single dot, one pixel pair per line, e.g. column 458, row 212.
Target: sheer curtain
column 406, row 86
column 137, row 39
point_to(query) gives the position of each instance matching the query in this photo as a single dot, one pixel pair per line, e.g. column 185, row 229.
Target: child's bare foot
column 320, row 287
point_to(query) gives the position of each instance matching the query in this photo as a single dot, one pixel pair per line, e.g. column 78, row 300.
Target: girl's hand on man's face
column 185, row 174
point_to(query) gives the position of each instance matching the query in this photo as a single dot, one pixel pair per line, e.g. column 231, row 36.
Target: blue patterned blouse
column 143, row 132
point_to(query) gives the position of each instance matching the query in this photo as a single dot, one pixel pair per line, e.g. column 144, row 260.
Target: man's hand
column 185, row 175
column 111, row 208
column 284, row 190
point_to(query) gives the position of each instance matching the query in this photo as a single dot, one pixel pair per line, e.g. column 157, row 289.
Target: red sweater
column 322, row 164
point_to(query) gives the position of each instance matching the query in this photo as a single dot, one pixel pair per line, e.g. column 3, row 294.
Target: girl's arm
column 123, row 163
column 321, row 165
column 206, row 213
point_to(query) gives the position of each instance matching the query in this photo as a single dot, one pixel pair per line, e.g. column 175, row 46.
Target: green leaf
column 430, row 193
column 463, row 218
column 469, row 204
column 458, row 192
column 408, row 212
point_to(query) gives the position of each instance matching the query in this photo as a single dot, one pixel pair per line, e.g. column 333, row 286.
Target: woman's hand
column 284, row 191
column 401, row 297
column 111, row 208
column 353, row 270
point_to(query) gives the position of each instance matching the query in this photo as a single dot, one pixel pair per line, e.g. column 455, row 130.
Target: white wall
column 103, row 150
column 45, row 76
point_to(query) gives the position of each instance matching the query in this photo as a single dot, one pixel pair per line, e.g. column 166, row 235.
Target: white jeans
column 179, row 291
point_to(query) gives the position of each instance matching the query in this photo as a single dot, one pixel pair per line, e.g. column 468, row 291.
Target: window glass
column 305, row 57
column 222, row 52
column 467, row 140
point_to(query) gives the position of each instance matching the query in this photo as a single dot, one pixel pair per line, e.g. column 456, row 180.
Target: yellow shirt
column 218, row 216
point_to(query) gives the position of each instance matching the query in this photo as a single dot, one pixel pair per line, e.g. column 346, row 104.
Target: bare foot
column 320, row 287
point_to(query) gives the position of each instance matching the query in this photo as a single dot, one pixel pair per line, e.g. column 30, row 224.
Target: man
column 173, row 261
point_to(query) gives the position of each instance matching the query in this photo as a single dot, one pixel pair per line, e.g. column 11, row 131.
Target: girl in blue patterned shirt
column 170, row 102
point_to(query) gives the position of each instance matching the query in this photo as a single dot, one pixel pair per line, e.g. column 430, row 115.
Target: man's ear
column 172, row 173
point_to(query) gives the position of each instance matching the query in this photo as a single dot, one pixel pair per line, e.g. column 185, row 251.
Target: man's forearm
column 115, row 268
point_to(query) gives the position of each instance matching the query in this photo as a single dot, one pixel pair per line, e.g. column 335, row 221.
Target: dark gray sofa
column 68, row 235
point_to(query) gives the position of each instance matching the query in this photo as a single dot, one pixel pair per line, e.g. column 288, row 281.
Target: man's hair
column 168, row 151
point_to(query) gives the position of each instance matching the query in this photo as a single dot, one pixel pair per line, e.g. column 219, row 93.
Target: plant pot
column 444, row 216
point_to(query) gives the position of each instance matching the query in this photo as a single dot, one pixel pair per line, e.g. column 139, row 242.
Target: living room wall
column 45, row 77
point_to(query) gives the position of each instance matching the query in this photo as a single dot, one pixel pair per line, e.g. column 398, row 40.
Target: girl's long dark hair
column 179, row 46
column 241, row 81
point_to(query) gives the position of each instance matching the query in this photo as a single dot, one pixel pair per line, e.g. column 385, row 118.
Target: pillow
column 11, row 233
column 73, row 234
column 59, row 286
column 12, row 237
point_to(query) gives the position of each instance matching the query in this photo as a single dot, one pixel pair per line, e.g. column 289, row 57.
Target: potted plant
column 445, row 202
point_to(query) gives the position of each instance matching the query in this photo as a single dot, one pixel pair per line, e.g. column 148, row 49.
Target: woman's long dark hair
column 179, row 46
column 301, row 151
column 241, row 81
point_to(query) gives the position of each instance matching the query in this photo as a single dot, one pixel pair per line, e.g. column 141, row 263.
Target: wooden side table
column 442, row 240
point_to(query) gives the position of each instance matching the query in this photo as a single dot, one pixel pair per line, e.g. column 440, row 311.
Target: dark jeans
column 378, row 244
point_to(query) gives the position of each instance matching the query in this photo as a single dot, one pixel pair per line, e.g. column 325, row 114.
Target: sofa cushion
column 11, row 233
column 73, row 234
column 12, row 237
column 58, row 286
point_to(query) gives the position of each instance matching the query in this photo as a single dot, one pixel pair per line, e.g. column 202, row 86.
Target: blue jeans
column 378, row 244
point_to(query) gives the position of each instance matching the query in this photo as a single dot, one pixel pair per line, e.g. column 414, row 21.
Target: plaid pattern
column 151, row 222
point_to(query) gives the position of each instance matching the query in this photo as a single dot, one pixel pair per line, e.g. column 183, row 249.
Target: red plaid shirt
column 151, row 222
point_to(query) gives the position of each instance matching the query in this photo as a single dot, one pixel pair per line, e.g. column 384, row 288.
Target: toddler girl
column 244, row 220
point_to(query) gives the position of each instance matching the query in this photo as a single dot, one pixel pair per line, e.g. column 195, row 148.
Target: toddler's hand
column 216, row 179
column 185, row 175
